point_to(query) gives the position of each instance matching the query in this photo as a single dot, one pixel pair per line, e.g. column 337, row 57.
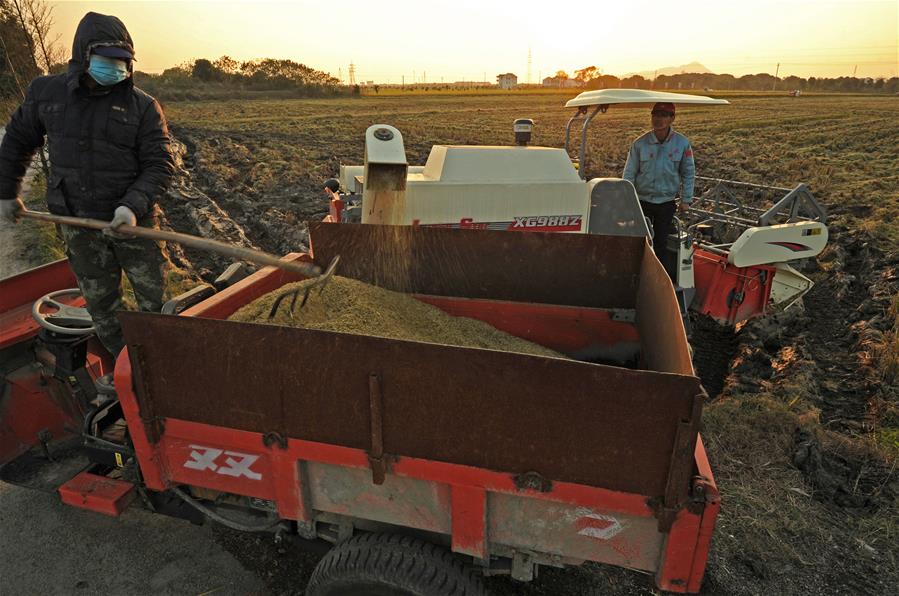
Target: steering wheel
column 65, row 319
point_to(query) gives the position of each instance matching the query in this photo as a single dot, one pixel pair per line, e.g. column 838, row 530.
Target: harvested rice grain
column 351, row 306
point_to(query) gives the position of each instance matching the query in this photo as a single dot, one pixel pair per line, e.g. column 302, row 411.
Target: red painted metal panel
column 219, row 466
column 687, row 547
column 680, row 557
column 27, row 408
column 224, row 303
column 28, row 286
column 147, row 455
column 290, row 489
column 709, row 517
column 18, row 293
column 727, row 293
column 567, row 329
column 97, row 493
column 297, row 450
column 469, row 511
column 679, row 551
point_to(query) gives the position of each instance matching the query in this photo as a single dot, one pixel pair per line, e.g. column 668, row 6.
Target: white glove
column 9, row 210
column 122, row 215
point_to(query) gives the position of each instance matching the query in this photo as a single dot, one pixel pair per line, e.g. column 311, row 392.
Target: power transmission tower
column 854, row 70
column 776, row 71
column 340, row 74
column 352, row 74
column 529, row 66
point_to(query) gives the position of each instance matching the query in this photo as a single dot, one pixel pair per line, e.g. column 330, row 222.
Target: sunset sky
column 394, row 40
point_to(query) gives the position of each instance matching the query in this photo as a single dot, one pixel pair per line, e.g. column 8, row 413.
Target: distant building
column 507, row 81
column 560, row 82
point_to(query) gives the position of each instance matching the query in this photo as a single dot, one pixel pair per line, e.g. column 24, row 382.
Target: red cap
column 663, row 106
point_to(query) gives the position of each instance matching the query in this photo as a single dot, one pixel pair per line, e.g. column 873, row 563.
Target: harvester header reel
column 726, row 208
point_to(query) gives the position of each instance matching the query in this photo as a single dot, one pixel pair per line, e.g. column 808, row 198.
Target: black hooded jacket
column 108, row 146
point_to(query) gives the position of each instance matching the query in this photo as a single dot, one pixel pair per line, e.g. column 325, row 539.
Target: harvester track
column 714, row 347
column 843, row 390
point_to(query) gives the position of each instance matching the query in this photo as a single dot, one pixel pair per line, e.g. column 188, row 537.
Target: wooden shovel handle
column 229, row 250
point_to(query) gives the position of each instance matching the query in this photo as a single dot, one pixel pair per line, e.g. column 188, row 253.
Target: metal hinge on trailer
column 624, row 315
column 679, row 488
column 700, row 495
column 532, row 481
column 274, row 438
column 376, row 456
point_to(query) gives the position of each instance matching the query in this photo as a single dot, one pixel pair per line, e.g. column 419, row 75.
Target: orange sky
column 390, row 41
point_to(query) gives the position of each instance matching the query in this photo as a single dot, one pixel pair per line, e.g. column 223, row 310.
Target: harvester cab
column 728, row 277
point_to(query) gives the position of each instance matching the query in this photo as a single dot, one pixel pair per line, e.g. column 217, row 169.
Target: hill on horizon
column 672, row 70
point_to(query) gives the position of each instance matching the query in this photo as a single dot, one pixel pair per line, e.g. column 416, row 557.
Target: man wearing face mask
column 110, row 159
column 658, row 164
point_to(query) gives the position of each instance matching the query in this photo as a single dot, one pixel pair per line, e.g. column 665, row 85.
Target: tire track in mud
column 714, row 348
column 831, row 305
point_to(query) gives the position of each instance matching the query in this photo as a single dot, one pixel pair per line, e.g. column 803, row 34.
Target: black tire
column 392, row 565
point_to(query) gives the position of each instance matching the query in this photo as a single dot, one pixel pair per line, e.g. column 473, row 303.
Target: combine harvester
column 728, row 277
column 425, row 465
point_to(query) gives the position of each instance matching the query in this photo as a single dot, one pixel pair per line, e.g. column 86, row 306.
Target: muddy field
column 802, row 426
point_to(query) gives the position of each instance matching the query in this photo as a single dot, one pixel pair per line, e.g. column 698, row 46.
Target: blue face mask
column 107, row 71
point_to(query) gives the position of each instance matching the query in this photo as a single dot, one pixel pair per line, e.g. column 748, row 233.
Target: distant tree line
column 592, row 78
column 26, row 49
column 228, row 75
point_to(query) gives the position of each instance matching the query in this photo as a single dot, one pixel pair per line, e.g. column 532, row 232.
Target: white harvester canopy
column 638, row 98
column 601, row 99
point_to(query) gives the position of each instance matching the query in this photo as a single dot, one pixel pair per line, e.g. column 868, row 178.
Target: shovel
column 222, row 248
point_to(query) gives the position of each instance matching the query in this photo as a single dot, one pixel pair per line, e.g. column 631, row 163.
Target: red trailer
column 407, row 456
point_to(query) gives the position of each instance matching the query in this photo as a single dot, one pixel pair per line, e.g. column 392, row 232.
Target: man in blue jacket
column 658, row 163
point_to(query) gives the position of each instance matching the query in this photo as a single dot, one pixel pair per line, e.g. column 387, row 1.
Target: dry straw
column 350, row 306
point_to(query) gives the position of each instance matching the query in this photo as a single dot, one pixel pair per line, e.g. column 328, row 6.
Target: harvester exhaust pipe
column 523, row 128
column 384, row 179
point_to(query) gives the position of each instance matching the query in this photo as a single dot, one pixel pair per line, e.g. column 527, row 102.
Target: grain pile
column 350, row 306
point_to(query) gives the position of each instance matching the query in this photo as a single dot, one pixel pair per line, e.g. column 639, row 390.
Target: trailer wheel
column 392, row 565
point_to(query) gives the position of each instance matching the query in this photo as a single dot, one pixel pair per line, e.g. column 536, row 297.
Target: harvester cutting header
column 727, row 258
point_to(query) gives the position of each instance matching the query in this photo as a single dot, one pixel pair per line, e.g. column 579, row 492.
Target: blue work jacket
column 658, row 169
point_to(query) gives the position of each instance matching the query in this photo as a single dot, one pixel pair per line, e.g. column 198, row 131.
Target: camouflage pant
column 98, row 261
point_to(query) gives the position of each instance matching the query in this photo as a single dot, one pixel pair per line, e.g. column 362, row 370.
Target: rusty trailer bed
column 539, row 460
